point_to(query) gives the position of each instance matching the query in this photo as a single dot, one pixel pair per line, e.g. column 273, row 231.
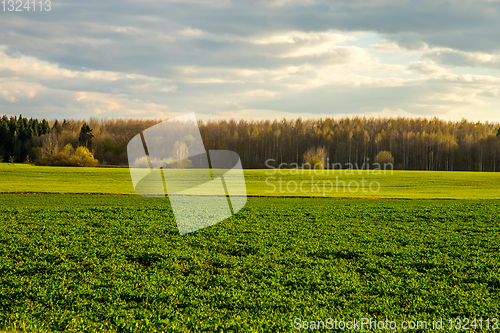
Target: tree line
column 17, row 136
column 415, row 144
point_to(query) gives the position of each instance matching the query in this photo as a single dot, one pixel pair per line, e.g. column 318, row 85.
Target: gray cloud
column 454, row 58
column 143, row 35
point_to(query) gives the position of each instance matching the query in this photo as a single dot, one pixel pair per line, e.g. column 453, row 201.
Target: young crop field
column 117, row 263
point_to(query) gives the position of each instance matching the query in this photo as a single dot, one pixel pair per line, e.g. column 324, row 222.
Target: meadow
column 25, row 178
column 116, row 263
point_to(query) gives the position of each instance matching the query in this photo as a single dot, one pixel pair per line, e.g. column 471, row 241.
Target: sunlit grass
column 266, row 182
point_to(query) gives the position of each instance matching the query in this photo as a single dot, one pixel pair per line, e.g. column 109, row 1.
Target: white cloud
column 426, row 68
column 30, row 67
column 443, row 55
column 281, row 3
column 260, row 92
column 169, row 88
column 293, row 37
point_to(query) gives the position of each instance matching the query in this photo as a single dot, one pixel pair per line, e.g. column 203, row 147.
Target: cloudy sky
column 252, row 59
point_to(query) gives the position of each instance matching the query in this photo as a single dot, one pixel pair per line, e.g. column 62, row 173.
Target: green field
column 78, row 262
column 117, row 263
column 15, row 178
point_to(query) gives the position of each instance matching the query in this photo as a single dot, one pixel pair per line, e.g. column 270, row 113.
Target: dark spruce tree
column 43, row 127
column 5, row 138
column 85, row 138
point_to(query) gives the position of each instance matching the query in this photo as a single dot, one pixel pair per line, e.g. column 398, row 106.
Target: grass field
column 16, row 178
column 117, row 263
column 77, row 262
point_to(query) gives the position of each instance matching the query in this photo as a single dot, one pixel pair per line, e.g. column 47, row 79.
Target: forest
column 415, row 143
